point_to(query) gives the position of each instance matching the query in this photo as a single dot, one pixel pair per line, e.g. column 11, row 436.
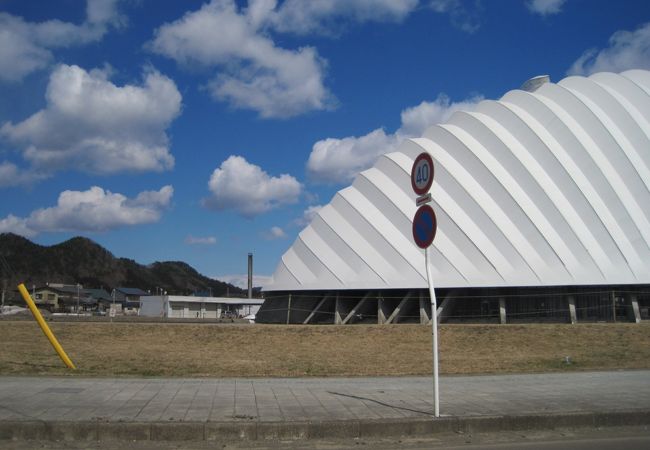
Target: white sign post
column 424, row 231
column 434, row 331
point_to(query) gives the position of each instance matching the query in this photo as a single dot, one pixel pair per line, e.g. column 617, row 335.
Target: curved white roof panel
column 550, row 187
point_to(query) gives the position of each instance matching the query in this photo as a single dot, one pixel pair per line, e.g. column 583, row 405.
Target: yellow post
column 44, row 327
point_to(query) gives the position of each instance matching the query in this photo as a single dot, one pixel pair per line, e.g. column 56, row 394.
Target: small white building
column 186, row 307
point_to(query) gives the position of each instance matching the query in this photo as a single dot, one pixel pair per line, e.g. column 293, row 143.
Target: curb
column 251, row 431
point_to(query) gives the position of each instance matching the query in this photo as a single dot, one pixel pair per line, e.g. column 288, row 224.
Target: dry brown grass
column 202, row 350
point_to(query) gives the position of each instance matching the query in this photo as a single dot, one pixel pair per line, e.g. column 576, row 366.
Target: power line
column 545, row 295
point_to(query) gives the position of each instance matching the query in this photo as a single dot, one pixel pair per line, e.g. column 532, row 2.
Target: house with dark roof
column 102, row 298
column 129, row 298
column 67, row 297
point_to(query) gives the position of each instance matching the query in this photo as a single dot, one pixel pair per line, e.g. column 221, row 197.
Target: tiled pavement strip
column 316, row 399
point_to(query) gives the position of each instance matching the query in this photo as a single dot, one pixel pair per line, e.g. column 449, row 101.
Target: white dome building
column 543, row 207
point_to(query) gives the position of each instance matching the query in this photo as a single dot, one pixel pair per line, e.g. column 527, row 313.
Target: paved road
column 314, row 399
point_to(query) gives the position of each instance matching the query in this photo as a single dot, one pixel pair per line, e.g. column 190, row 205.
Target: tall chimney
column 250, row 275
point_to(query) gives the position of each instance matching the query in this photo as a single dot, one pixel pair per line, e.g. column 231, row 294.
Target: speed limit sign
column 422, row 174
column 424, row 230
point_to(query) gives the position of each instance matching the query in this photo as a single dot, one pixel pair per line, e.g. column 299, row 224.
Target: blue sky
column 201, row 131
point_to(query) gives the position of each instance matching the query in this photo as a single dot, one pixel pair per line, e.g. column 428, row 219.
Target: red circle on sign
column 422, row 173
column 425, row 226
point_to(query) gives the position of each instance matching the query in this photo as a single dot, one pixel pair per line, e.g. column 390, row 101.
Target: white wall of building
column 152, row 306
column 186, row 307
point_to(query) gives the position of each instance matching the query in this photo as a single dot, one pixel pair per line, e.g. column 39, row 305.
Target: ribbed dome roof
column 550, row 187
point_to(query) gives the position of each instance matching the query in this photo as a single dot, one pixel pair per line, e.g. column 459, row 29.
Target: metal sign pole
column 434, row 326
column 424, row 226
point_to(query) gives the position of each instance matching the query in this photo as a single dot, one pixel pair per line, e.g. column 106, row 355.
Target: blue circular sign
column 424, row 226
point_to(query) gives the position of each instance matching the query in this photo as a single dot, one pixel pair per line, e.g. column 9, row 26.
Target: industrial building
column 186, row 307
column 543, row 208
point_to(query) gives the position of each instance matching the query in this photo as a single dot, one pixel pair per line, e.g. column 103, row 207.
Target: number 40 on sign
column 422, row 174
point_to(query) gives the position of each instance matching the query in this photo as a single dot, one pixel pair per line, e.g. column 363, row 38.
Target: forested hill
column 81, row 260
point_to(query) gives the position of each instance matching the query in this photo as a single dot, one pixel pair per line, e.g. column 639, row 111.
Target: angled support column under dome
column 337, row 311
column 315, row 310
column 425, row 318
column 573, row 318
column 356, row 308
column 381, row 309
column 632, row 306
column 444, row 310
column 398, row 311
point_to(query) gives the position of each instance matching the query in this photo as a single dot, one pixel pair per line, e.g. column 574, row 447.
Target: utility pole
column 4, row 288
column 5, row 270
column 289, row 310
column 112, row 311
column 78, row 295
column 250, row 275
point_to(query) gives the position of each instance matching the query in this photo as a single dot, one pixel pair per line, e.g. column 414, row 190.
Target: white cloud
column 308, row 215
column 92, row 210
column 254, row 72
column 241, row 280
column 192, row 240
column 247, row 189
column 19, row 54
column 11, row 175
column 340, row 160
column 8, row 174
column 26, row 46
column 627, row 50
column 274, row 233
column 463, row 16
column 325, row 16
column 16, row 225
column 92, row 125
column 545, row 7
column 416, row 119
column 104, row 12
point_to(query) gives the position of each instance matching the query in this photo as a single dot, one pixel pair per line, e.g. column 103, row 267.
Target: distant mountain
column 81, row 260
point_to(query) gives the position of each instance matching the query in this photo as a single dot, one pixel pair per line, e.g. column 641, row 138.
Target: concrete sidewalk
column 130, row 408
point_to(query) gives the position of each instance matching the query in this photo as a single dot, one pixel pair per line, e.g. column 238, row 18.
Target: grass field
column 212, row 350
